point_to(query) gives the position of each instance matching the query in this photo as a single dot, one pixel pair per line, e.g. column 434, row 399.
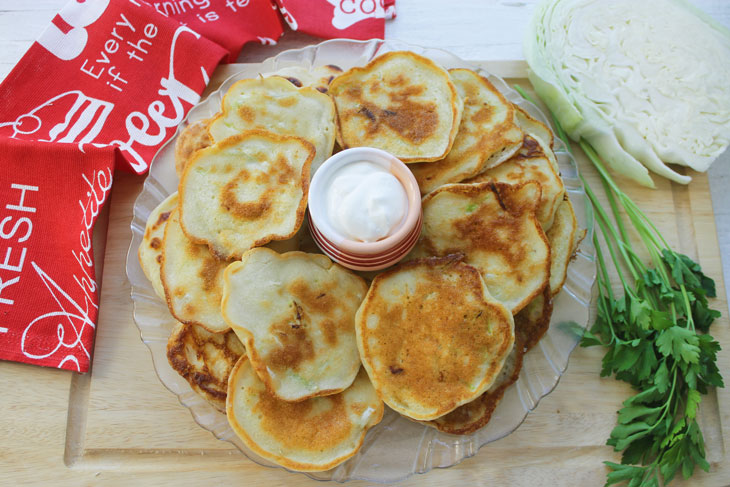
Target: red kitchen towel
column 107, row 72
column 354, row 19
column 49, row 201
column 105, row 85
column 230, row 23
column 108, row 80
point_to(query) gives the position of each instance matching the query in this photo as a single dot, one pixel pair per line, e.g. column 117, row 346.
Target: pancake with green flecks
column 295, row 312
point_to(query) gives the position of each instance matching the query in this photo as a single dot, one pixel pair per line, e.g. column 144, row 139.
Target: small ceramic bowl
column 358, row 255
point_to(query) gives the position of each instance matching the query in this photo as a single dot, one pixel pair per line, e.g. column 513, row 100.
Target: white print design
column 3, row 329
column 99, row 186
column 83, row 121
column 138, row 123
column 350, row 12
column 390, row 12
column 289, row 17
column 71, row 319
column 78, row 15
column 267, row 41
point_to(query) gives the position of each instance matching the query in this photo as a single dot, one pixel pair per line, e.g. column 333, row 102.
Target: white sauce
column 365, row 202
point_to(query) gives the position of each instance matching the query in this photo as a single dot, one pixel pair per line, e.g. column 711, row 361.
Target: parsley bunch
column 652, row 341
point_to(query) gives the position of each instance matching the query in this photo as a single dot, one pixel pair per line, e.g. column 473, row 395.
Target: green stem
column 612, row 239
column 602, row 266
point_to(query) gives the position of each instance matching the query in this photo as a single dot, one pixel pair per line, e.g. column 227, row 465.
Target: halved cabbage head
column 645, row 83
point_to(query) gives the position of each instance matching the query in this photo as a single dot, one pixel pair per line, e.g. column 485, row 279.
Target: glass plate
column 397, row 447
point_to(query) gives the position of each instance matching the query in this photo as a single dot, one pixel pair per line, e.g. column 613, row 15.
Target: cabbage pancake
column 474, row 415
column 193, row 138
column 205, row 360
column 534, row 127
column 431, row 337
column 562, row 238
column 192, row 277
column 245, row 191
column 533, row 321
column 530, row 164
column 150, row 250
column 487, row 134
column 540, row 132
column 317, row 77
column 312, row 435
column 400, row 102
column 295, row 313
column 494, row 226
column 277, row 105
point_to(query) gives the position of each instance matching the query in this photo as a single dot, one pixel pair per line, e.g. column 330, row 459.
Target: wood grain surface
column 118, row 425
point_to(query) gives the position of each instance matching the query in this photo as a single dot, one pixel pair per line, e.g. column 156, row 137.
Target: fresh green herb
column 471, row 207
column 652, row 341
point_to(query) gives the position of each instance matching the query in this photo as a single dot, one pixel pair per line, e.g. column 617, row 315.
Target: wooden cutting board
column 120, row 425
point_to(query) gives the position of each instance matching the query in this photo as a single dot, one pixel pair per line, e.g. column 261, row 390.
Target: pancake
column 295, row 313
column 562, row 238
column 431, row 337
column 533, row 321
column 530, row 164
column 192, row 278
column 317, row 77
column 494, row 226
column 196, row 136
column 488, row 134
column 400, row 102
column 205, row 360
column 312, row 435
column 277, row 105
column 245, row 191
column 150, row 250
column 534, row 127
column 540, row 132
column 474, row 415
column 193, row 138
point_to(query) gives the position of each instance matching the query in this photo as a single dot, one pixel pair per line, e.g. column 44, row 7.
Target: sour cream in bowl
column 364, row 208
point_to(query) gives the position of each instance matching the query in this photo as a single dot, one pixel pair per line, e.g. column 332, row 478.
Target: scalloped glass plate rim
column 417, row 448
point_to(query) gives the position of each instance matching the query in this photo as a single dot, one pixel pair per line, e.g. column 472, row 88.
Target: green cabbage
column 643, row 82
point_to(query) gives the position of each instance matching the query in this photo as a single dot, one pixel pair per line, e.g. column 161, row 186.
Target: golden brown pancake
column 495, row 227
column 318, row 77
column 196, row 135
column 488, row 134
column 533, row 321
column 534, row 127
column 245, row 191
column 193, row 138
column 192, row 278
column 205, row 360
column 295, row 313
column 540, row 132
column 562, row 238
column 431, row 337
column 474, row 415
column 276, row 105
column 530, row 164
column 312, row 435
column 400, row 102
column 150, row 250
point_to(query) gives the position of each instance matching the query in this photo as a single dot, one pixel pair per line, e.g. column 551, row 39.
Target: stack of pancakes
column 301, row 353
